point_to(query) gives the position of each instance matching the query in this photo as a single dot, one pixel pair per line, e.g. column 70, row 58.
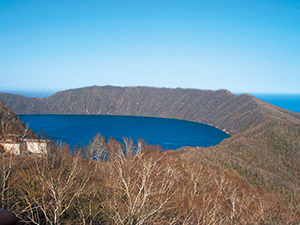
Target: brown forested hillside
column 147, row 187
column 11, row 125
column 222, row 109
column 253, row 177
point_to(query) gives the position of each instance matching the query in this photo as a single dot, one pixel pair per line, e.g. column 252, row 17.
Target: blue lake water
column 168, row 133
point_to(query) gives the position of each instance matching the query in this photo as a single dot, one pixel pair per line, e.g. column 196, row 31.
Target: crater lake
column 168, row 133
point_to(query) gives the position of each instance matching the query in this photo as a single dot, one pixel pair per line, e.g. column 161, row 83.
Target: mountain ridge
column 222, row 109
column 264, row 147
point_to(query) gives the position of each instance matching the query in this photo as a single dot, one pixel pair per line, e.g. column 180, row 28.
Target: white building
column 25, row 146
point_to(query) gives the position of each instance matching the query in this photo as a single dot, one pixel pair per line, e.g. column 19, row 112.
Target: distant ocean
column 287, row 101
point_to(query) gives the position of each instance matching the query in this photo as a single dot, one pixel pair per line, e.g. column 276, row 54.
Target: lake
column 168, row 133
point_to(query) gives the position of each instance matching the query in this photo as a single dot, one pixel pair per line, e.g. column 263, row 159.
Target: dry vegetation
column 253, row 177
column 132, row 184
column 11, row 126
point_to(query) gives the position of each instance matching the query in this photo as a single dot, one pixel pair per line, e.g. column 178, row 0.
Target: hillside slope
column 264, row 147
column 222, row 109
column 11, row 125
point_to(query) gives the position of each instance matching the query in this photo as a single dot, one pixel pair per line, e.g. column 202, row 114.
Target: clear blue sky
column 242, row 46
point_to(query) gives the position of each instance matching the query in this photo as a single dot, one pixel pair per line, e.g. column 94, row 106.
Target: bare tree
column 89, row 205
column 139, row 186
column 56, row 178
column 6, row 160
column 97, row 148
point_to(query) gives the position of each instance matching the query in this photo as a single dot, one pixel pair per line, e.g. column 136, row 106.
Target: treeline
column 108, row 182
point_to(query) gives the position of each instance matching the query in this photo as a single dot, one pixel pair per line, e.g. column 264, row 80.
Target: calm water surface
column 287, row 101
column 168, row 133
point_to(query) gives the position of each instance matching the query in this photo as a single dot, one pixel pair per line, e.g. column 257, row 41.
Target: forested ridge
column 222, row 109
column 250, row 178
